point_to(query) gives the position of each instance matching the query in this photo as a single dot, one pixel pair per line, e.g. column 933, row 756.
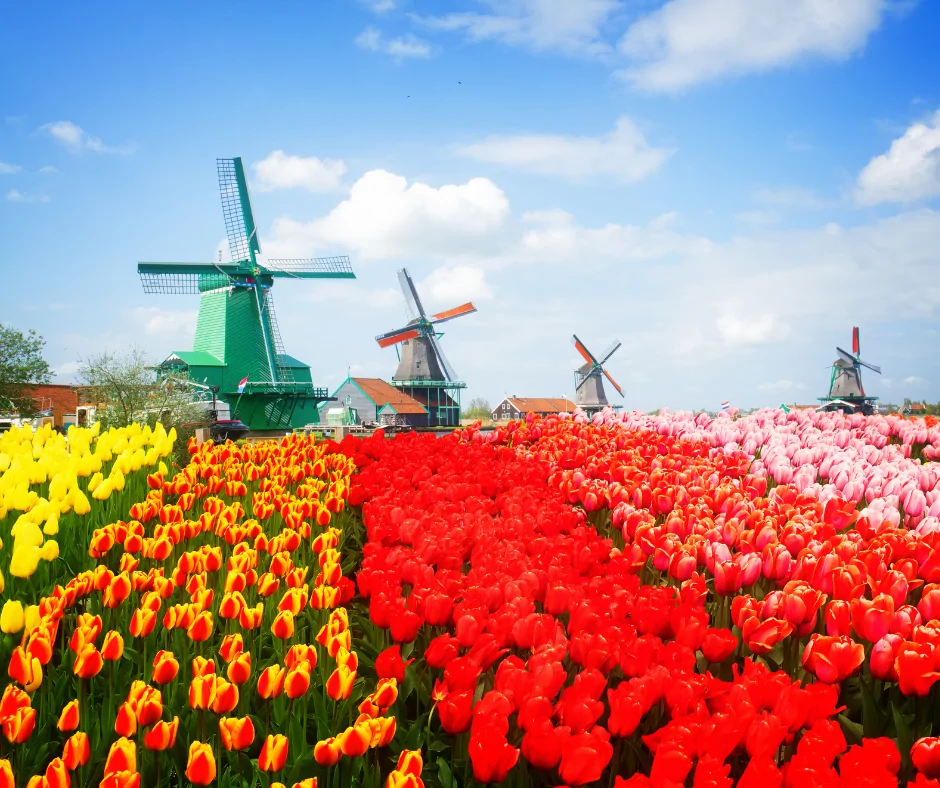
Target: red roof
column 382, row 393
column 55, row 396
column 542, row 404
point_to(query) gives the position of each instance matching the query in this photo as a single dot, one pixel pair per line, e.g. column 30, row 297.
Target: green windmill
column 238, row 346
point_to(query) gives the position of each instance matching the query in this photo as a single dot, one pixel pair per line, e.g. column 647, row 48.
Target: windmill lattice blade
column 872, row 367
column 457, row 311
column 415, row 308
column 613, row 383
column 284, row 373
column 310, row 267
column 184, row 278
column 855, row 345
column 614, row 347
column 393, row 338
column 845, row 355
column 448, row 369
column 236, row 210
column 585, row 353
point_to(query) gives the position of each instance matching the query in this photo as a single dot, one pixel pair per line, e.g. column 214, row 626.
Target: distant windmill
column 845, row 385
column 237, row 345
column 423, row 371
column 590, row 395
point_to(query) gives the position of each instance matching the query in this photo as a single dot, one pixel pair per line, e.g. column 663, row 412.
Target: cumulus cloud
column 909, row 171
column 624, row 153
column 400, row 47
column 48, row 170
column 67, row 370
column 687, row 42
column 76, row 139
column 163, row 322
column 9, row 169
column 913, row 379
column 758, row 218
column 15, row 195
column 386, row 218
column 281, row 171
column 451, row 286
column 571, row 28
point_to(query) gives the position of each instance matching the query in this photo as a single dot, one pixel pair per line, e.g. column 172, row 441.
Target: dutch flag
column 725, row 405
column 242, row 383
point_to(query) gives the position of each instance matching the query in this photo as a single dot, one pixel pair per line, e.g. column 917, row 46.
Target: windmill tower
column 238, row 345
column 423, row 371
column 590, row 394
column 845, row 385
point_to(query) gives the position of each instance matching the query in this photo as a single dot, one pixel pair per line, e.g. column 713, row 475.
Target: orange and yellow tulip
column 162, row 736
column 68, row 719
column 232, row 645
column 239, row 669
column 122, row 757
column 283, row 626
column 88, row 663
column 273, row 753
column 200, row 766
column 297, row 681
column 271, row 682
column 340, row 683
column 77, row 751
column 112, row 649
column 237, row 734
column 327, row 752
column 203, row 667
column 165, row 667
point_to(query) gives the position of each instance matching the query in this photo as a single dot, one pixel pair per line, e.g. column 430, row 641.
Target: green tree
column 127, row 390
column 21, row 367
column 479, row 409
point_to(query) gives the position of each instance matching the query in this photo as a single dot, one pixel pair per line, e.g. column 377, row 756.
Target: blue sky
column 726, row 186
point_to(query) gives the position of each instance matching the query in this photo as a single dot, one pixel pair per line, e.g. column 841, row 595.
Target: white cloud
column 15, row 195
column 623, row 153
column 76, row 139
column 913, row 379
column 687, row 42
column 386, row 218
column 780, row 385
column 163, row 322
column 753, row 330
column 571, row 28
column 399, row 48
column 9, row 169
column 758, row 218
column 67, row 371
column 790, row 197
column 280, row 171
column 381, row 6
column 450, row 287
column 48, row 169
column 909, row 171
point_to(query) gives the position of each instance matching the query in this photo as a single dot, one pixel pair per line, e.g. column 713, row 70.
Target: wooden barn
column 518, row 407
column 380, row 402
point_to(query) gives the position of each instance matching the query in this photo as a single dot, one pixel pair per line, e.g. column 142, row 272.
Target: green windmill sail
column 238, row 345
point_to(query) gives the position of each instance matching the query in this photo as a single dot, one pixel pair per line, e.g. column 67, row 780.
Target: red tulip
column 833, row 659
column 926, row 756
column 77, row 751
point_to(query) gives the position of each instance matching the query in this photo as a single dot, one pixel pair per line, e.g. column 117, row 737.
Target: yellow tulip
column 103, row 491
column 117, row 479
column 95, row 429
column 162, row 468
column 12, row 617
column 50, row 550
column 33, row 617
column 25, row 533
column 3, row 582
column 51, row 528
column 94, row 481
column 80, row 502
column 24, row 561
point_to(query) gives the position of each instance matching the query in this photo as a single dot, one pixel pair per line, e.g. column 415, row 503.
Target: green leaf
column 445, row 775
column 852, row 730
column 872, row 721
column 903, row 733
column 413, row 736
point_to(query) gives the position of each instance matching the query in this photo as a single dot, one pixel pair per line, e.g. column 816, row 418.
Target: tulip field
column 628, row 601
